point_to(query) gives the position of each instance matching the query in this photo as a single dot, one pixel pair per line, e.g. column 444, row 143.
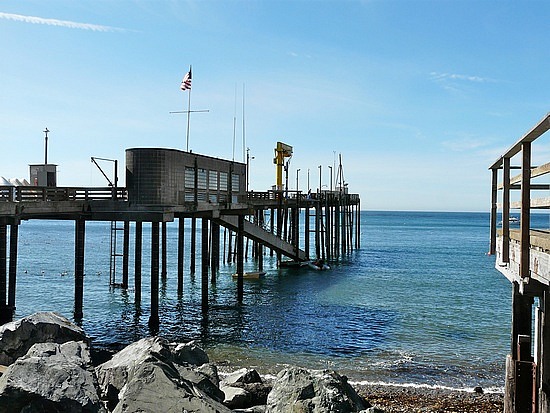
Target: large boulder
column 298, row 390
column 155, row 387
column 153, row 365
column 244, row 388
column 17, row 337
column 51, row 377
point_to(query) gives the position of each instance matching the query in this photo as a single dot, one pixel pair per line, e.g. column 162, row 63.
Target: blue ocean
column 420, row 302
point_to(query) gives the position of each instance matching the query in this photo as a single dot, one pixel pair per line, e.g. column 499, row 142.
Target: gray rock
column 17, row 337
column 244, row 376
column 236, row 397
column 372, row 410
column 244, row 388
column 51, row 377
column 201, row 381
column 299, row 390
column 211, row 370
column 155, row 388
column 189, row 353
column 121, row 378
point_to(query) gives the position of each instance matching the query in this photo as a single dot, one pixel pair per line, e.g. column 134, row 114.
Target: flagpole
column 188, row 118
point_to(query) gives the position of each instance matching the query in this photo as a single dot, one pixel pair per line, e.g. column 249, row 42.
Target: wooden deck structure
column 523, row 256
column 165, row 185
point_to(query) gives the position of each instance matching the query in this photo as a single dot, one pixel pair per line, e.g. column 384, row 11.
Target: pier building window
column 223, row 181
column 201, row 180
column 189, row 177
column 213, row 180
column 235, row 182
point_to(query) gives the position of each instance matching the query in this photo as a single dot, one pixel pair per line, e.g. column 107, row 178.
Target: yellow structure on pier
column 282, row 151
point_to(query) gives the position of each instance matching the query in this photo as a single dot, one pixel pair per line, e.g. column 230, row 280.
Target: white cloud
column 59, row 23
column 442, row 77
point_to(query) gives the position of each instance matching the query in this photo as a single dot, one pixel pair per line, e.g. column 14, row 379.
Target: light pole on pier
column 297, row 177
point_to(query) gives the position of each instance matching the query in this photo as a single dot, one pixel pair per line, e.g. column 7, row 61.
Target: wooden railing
column 501, row 170
column 36, row 193
column 329, row 196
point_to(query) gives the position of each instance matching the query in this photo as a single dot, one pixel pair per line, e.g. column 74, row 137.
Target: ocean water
column 420, row 302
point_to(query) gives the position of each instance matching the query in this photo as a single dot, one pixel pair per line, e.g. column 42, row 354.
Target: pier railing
column 523, row 192
column 36, row 193
column 330, row 196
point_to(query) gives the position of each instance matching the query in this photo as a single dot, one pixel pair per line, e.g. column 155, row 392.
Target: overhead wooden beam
column 539, row 129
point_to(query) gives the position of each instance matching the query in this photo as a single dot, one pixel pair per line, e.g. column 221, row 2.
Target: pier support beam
column 80, row 236
column 6, row 314
column 125, row 254
column 154, row 317
column 205, row 260
column 240, row 260
column 181, row 244
column 215, row 262
column 137, row 262
column 193, row 244
column 164, row 271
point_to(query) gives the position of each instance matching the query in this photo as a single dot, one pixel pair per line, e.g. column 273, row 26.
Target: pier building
column 521, row 188
column 166, row 185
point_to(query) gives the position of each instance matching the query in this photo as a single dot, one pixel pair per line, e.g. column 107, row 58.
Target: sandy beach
column 393, row 399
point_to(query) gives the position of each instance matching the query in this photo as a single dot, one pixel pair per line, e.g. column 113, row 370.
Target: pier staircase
column 263, row 236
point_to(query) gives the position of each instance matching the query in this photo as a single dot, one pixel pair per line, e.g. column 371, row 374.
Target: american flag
column 186, row 82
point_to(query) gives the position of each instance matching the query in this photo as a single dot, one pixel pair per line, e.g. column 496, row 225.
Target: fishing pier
column 523, row 257
column 167, row 185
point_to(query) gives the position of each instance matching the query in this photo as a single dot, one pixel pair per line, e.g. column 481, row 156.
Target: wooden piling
column 137, row 262
column 181, row 244
column 193, row 244
column 205, row 259
column 163, row 272
column 80, row 236
column 240, row 260
column 5, row 313
column 215, row 248
column 154, row 316
column 125, row 254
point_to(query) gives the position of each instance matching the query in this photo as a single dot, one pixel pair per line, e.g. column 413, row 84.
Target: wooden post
column 317, row 228
column 358, row 226
column 205, row 259
column 137, row 262
column 525, row 209
column 6, row 314
column 494, row 200
column 328, row 232
column 544, row 375
column 80, row 235
column 272, row 226
column 154, row 316
column 215, row 264
column 306, row 231
column 240, row 263
column 337, row 227
column 125, row 254
column 181, row 244
column 193, row 244
column 296, row 230
column 521, row 317
column 506, row 211
column 164, row 265
column 230, row 247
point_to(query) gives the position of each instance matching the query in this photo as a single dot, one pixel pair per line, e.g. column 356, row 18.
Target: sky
column 417, row 97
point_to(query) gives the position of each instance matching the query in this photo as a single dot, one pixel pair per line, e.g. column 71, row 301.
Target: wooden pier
column 166, row 185
column 523, row 256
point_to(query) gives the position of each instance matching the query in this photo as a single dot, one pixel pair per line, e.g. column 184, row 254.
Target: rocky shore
column 48, row 364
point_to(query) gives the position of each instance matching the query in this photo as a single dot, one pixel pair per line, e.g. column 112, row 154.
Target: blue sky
column 419, row 97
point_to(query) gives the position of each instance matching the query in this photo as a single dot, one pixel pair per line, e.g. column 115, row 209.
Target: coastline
column 421, row 399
